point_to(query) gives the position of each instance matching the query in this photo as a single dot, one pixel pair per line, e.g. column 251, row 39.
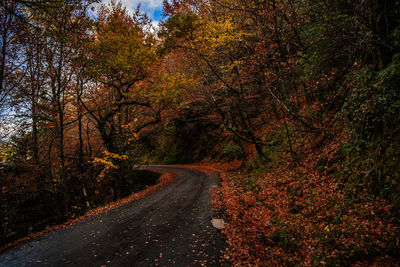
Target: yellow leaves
column 108, row 164
column 216, row 34
column 171, row 87
column 229, row 67
column 134, row 137
column 7, row 151
column 327, row 229
column 115, row 156
column 130, row 126
column 108, row 159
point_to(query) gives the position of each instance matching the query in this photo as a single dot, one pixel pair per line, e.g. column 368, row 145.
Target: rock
column 218, row 223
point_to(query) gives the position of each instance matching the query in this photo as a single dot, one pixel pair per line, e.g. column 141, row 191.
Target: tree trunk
column 4, row 42
column 80, row 145
column 60, row 91
column 288, row 138
column 35, row 88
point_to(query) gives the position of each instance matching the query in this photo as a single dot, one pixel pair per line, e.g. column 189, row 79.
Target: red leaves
column 301, row 217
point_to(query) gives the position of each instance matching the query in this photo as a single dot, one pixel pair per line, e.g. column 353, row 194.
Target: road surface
column 167, row 227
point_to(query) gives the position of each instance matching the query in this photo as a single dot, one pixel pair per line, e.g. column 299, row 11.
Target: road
column 167, row 227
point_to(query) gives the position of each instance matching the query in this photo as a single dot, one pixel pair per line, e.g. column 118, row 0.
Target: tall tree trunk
column 293, row 154
column 4, row 42
column 35, row 88
column 35, row 145
column 49, row 157
column 89, row 146
column 60, row 91
column 80, row 145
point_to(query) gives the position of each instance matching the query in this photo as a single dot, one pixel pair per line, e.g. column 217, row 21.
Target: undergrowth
column 307, row 213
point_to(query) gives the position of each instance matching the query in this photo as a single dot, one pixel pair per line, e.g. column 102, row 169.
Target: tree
column 11, row 63
column 246, row 52
column 122, row 56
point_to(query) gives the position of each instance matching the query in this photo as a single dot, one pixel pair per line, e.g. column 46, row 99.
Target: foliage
column 303, row 94
column 231, row 152
column 302, row 216
column 310, row 87
column 108, row 159
column 75, row 90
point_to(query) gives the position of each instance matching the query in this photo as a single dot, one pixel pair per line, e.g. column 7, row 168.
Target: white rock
column 218, row 223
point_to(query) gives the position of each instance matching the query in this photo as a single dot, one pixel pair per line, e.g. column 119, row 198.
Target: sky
column 153, row 8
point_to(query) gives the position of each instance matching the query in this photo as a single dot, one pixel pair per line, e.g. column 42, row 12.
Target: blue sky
column 153, row 8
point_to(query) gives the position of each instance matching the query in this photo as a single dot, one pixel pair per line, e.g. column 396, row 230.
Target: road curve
column 167, row 227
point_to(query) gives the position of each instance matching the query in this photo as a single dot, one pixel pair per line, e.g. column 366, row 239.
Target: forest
column 296, row 102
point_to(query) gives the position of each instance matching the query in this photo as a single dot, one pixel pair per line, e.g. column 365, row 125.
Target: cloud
column 155, row 24
column 151, row 7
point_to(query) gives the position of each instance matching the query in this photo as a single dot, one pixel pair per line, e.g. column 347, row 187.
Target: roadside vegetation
column 296, row 101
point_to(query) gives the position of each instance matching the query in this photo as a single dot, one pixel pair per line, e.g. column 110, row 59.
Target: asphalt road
column 167, row 227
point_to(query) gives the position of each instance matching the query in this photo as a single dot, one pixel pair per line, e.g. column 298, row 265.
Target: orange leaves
column 301, row 217
column 108, row 160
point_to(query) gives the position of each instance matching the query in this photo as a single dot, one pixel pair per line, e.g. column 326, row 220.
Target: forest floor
column 165, row 227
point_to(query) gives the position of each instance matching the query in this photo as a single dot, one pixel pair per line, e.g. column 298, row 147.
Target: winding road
column 167, row 227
